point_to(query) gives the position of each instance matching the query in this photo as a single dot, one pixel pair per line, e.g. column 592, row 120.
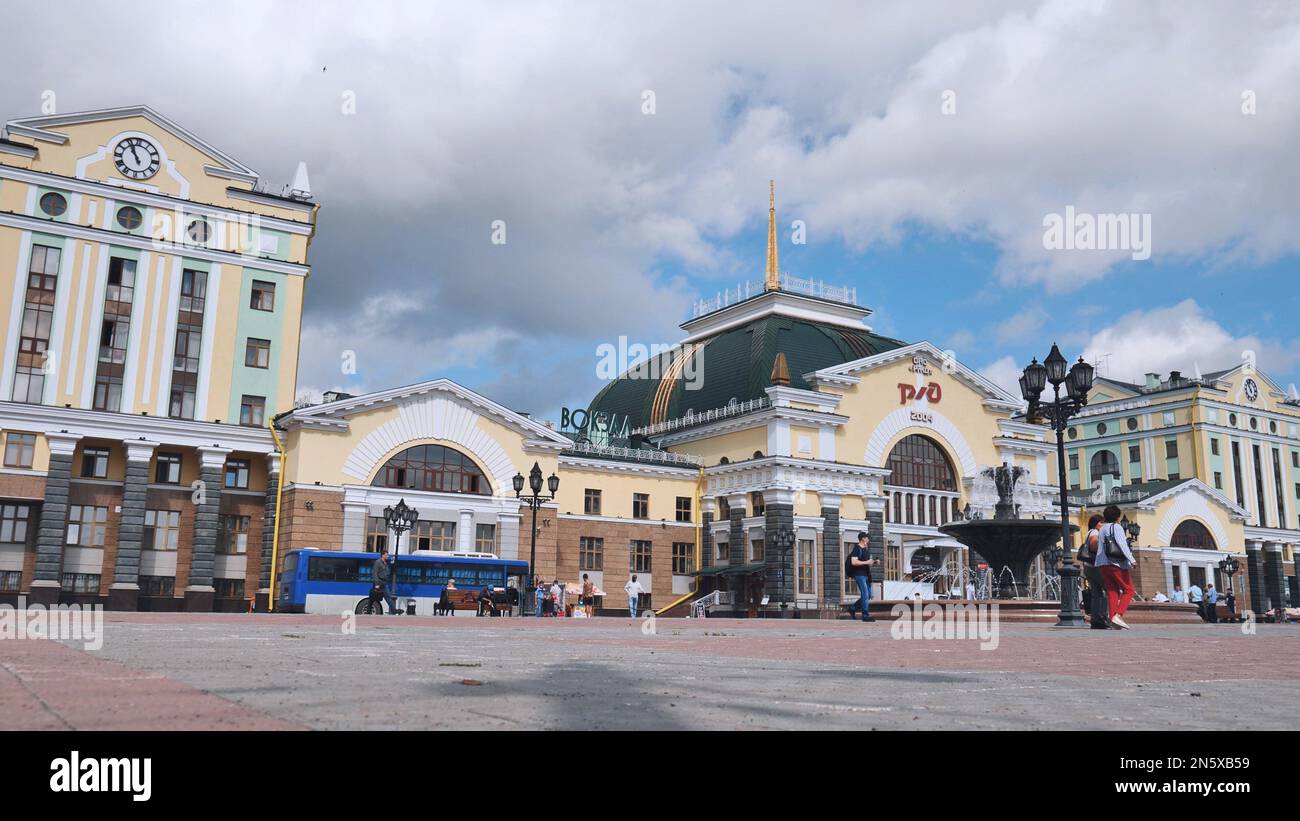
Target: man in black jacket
column 381, row 573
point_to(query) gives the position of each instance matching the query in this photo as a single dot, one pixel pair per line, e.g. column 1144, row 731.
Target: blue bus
column 329, row 581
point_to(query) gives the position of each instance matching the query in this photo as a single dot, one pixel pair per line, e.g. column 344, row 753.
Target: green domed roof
column 735, row 364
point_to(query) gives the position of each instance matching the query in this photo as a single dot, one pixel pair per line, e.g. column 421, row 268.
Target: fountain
column 1007, row 542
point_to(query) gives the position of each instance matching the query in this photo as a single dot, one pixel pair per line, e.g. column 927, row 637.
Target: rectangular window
column 13, row 523
column 1074, row 461
column 252, row 411
column 591, row 553
column 232, row 534
column 20, row 450
column 188, row 349
column 257, row 354
column 86, row 525
column 167, row 469
column 1214, row 446
column 1171, row 449
column 10, row 580
column 94, row 463
column 1295, row 459
column 228, row 588
column 639, row 556
column 724, row 508
column 485, row 538
column 80, row 582
column 263, row 298
column 683, row 508
column 237, row 474
column 34, row 328
column 162, row 530
column 640, row 505
column 119, row 295
column 157, row 585
column 757, row 504
column 1236, row 475
column 757, row 550
column 1277, row 486
column 723, row 551
column 1168, row 419
column 683, row 558
column 376, row 534
column 1134, row 454
column 807, row 579
column 1218, row 480
column 430, row 535
column 1259, row 487
column 591, row 502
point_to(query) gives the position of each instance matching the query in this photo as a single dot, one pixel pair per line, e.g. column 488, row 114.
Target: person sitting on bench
column 485, row 604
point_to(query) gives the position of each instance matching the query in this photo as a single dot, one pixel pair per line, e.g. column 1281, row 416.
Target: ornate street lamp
column 535, row 499
column 1057, row 412
column 784, row 540
column 399, row 518
column 1230, row 567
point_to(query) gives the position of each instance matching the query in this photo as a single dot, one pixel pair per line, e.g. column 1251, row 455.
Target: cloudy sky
column 627, row 150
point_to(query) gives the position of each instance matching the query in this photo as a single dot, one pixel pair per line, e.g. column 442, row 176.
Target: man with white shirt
column 634, row 590
column 1194, row 596
column 1178, row 597
column 1160, row 597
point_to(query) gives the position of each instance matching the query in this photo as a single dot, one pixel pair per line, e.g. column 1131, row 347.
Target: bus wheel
column 369, row 607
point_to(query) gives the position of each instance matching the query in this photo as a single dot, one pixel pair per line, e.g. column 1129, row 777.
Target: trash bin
column 410, row 607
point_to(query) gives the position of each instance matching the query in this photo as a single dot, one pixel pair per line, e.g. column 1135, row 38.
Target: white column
column 1169, row 577
column 465, row 532
column 1184, row 578
column 508, row 525
column 354, row 525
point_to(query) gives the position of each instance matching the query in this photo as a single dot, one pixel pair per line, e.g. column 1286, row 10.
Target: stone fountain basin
column 1009, row 543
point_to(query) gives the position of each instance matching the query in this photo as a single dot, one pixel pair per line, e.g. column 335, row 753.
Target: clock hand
column 135, row 149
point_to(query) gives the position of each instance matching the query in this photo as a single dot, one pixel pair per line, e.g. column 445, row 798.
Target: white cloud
column 1179, row 337
column 1006, row 373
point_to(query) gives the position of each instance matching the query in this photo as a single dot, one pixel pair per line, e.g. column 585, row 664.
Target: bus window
column 290, row 564
column 326, row 569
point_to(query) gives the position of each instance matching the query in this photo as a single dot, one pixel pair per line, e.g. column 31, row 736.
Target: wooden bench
column 465, row 600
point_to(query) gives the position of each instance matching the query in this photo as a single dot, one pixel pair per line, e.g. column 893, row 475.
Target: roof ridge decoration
column 965, row 373
column 337, row 412
column 44, row 128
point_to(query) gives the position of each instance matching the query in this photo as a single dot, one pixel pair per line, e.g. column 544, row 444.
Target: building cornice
column 756, row 419
column 52, row 421
column 63, row 229
column 135, row 195
column 638, row 468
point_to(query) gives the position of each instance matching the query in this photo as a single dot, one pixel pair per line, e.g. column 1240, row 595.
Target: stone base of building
column 199, row 599
column 123, row 597
column 44, row 593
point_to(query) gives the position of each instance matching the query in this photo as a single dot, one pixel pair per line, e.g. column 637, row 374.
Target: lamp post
column 1057, row 411
column 535, row 499
column 1230, row 567
column 399, row 518
column 784, row 540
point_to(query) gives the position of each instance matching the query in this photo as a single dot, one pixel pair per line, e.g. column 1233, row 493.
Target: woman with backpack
column 1115, row 562
column 1098, row 615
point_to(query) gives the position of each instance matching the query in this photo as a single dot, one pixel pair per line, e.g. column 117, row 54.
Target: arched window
column 916, row 461
column 1191, row 533
column 1104, row 463
column 433, row 467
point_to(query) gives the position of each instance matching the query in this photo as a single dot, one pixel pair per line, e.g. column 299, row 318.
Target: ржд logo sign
column 932, row 393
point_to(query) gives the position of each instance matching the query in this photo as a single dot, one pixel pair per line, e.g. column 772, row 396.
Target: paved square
column 192, row 671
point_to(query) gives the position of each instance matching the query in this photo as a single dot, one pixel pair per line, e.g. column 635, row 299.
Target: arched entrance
column 922, row 493
column 1193, row 534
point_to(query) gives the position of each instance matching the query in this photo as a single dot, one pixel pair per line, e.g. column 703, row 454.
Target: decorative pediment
column 927, row 354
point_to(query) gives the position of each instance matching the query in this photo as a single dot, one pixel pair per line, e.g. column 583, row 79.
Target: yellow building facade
column 152, row 290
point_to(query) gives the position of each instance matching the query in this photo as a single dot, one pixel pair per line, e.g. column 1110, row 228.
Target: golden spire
column 771, row 281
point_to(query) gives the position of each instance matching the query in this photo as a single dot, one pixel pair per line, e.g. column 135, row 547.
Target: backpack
column 849, row 569
column 1113, row 551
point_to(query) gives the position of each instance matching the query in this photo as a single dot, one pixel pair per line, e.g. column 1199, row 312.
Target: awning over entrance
column 710, row 571
column 743, row 569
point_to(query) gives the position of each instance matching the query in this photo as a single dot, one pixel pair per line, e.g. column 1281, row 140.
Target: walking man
column 541, row 597
column 382, row 575
column 634, row 591
column 859, row 568
column 1211, row 599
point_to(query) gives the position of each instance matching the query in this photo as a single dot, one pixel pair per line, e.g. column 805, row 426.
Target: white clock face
column 1252, row 390
column 136, row 158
